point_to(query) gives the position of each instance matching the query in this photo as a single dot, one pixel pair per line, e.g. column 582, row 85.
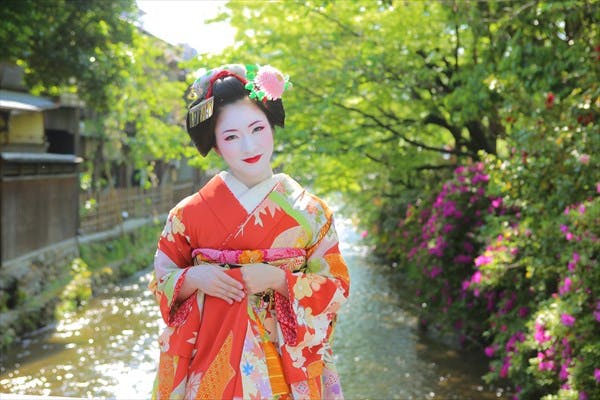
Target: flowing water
column 109, row 348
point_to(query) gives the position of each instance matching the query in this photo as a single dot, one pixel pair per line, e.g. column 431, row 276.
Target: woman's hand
column 260, row 277
column 212, row 280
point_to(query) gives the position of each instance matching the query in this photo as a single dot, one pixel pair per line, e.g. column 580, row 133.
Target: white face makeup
column 244, row 139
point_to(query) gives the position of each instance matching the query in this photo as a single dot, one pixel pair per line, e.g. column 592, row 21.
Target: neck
column 251, row 181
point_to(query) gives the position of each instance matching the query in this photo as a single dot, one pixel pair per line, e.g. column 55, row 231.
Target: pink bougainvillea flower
column 569, row 236
column 567, row 319
column 584, row 159
column 523, row 312
column 490, row 350
column 468, row 246
column 505, row 367
column 483, row 260
column 564, row 371
column 565, row 287
column 540, row 334
column 435, row 271
column 496, row 203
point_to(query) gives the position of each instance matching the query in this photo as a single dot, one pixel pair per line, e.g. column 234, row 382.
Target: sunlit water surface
column 109, row 348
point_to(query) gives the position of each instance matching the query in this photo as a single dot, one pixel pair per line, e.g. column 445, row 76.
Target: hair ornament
column 266, row 82
column 263, row 82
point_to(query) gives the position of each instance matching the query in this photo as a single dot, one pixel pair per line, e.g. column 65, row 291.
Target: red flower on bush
column 550, row 100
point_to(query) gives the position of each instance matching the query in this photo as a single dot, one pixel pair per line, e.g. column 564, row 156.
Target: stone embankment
column 37, row 287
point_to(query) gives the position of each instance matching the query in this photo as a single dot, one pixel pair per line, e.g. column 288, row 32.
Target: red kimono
column 265, row 346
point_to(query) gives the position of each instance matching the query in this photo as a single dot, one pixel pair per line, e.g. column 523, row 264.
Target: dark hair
column 226, row 91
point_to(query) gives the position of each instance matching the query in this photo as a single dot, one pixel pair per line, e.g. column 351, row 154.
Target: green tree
column 383, row 91
column 80, row 44
column 129, row 80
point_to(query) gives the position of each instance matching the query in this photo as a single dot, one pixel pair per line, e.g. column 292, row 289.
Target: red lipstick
column 252, row 160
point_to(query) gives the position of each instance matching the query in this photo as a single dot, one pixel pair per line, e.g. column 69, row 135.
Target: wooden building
column 39, row 183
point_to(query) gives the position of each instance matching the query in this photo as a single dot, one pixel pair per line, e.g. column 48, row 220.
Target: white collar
column 249, row 198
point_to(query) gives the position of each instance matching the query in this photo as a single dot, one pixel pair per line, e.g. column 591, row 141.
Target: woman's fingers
column 231, row 289
column 215, row 282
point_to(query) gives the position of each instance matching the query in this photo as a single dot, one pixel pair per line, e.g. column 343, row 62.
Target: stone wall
column 30, row 287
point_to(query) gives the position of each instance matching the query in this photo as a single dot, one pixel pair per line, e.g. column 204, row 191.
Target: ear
column 216, row 149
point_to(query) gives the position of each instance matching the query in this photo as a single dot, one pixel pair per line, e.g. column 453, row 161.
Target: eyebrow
column 249, row 126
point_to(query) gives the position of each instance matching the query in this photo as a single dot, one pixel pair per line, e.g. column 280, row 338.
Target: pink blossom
column 581, row 209
column 490, row 350
column 505, row 367
column 479, row 178
column 447, row 228
column 569, row 236
column 465, row 285
column 463, row 259
column 523, row 312
column 271, row 81
column 496, row 203
column 364, row 234
column 598, row 187
column 597, row 374
column 511, row 343
column 584, row 159
column 583, row 396
column 540, row 334
column 567, row 319
column 412, row 252
column 459, row 170
column 449, row 208
column 468, row 247
column 476, row 278
column 483, row 260
column 546, row 365
column 564, row 373
column 564, row 228
column 435, row 271
column 565, row 287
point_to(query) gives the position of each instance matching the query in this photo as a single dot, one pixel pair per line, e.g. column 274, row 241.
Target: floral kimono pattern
column 266, row 346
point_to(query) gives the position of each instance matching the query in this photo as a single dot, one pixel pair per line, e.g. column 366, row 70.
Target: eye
column 229, row 138
column 258, row 129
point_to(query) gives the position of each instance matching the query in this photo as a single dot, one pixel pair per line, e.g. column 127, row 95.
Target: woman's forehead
column 241, row 113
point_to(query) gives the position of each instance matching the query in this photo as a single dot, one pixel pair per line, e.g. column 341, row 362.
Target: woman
column 249, row 276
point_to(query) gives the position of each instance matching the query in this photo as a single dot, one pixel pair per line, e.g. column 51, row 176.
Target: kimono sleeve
column 173, row 260
column 316, row 294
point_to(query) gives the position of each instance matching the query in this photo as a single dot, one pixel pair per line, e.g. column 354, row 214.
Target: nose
column 248, row 144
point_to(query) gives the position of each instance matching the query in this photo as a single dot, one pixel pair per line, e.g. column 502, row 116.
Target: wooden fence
column 105, row 210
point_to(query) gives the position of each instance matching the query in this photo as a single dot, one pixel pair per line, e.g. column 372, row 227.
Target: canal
column 109, row 348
